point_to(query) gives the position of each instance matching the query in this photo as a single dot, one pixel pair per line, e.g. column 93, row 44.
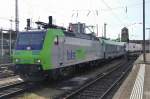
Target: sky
column 115, row 13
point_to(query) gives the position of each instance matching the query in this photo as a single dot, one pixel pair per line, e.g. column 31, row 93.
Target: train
column 133, row 49
column 53, row 51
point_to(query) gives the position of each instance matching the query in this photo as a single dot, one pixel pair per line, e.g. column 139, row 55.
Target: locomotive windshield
column 30, row 40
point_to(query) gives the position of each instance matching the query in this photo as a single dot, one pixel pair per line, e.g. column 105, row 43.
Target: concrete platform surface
column 137, row 84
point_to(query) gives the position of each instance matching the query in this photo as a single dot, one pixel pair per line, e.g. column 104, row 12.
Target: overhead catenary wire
column 76, row 12
column 114, row 14
column 114, row 8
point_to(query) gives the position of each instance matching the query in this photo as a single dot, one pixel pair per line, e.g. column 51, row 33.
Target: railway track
column 11, row 89
column 6, row 70
column 5, row 66
column 101, row 86
column 15, row 88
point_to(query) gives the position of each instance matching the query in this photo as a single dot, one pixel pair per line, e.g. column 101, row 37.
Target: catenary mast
column 16, row 17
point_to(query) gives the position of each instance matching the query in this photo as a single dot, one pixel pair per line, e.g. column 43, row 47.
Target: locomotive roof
column 113, row 42
column 81, row 35
column 36, row 30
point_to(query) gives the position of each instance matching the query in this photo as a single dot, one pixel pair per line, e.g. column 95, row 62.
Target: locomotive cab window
column 34, row 40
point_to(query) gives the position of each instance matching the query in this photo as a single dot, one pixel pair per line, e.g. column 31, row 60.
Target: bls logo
column 70, row 55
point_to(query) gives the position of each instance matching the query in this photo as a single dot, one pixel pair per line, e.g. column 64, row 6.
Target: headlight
column 38, row 61
column 16, row 60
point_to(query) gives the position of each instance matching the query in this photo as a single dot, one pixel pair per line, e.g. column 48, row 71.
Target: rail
column 87, row 90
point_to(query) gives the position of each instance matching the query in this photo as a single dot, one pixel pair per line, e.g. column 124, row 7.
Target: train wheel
column 55, row 74
column 66, row 72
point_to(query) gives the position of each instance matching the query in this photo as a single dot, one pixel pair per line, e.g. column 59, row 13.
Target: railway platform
column 137, row 84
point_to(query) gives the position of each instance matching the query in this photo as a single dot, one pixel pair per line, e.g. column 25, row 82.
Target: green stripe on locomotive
column 46, row 52
column 44, row 55
column 25, row 57
column 80, row 53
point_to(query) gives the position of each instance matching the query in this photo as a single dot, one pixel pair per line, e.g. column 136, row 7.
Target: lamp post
column 10, row 37
column 16, row 16
column 144, row 57
column 149, row 38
